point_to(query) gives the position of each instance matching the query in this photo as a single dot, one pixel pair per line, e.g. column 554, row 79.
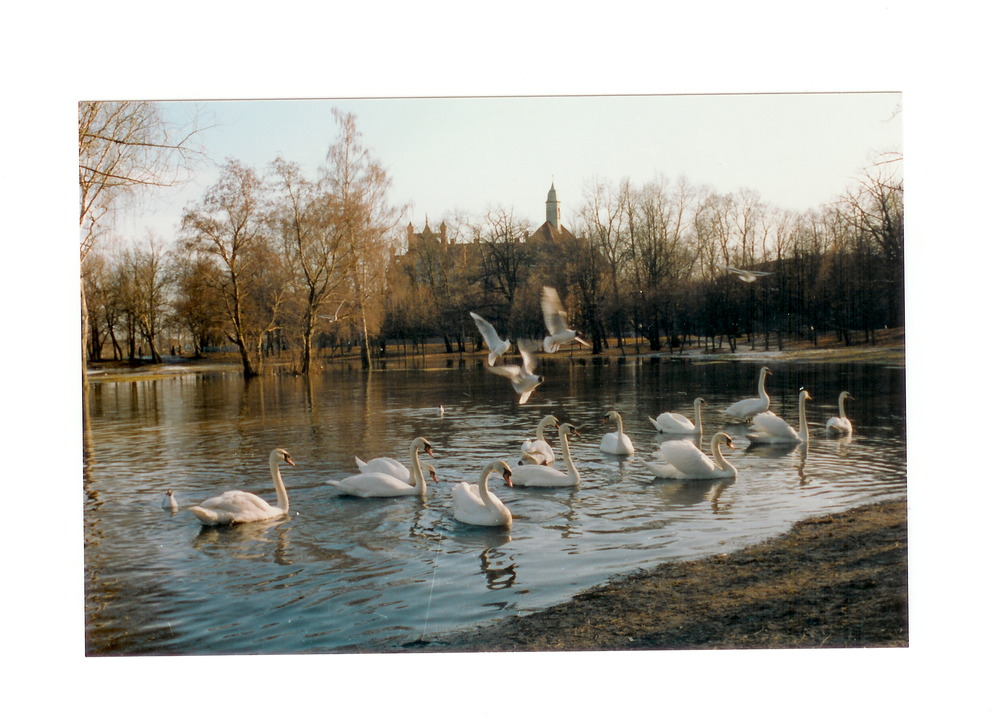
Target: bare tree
column 506, row 260
column 229, row 225
column 360, row 185
column 603, row 218
column 311, row 227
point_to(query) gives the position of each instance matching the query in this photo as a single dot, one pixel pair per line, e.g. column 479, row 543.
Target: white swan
column 534, row 475
column 616, row 442
column 379, row 484
column 237, row 507
column 840, row 425
column 745, row 409
column 495, row 345
column 769, row 428
column 683, row 460
column 538, row 451
column 678, row 423
column 555, row 321
column 477, row 505
column 521, row 378
column 393, row 467
column 169, row 502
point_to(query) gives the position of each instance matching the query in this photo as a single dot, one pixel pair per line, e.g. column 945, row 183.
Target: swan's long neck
column 618, row 419
column 488, row 499
column 697, row 417
column 279, row 486
column 719, row 458
column 760, row 385
column 541, row 435
column 570, row 467
column 843, row 415
column 416, row 471
column 803, row 427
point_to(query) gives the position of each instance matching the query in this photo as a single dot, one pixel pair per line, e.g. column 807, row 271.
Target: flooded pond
column 343, row 574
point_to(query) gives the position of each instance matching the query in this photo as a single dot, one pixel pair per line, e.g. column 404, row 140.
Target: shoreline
column 835, row 581
column 889, row 351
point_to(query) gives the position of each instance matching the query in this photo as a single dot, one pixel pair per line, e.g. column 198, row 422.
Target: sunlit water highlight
column 348, row 574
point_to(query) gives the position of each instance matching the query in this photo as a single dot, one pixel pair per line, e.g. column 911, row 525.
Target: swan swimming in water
column 743, row 410
column 477, row 505
column 683, row 460
column 169, row 501
column 678, row 423
column 393, row 467
column 769, row 428
column 494, row 344
column 616, row 442
column 538, row 451
column 378, row 484
column 238, row 507
column 840, row 425
column 555, row 322
column 535, row 475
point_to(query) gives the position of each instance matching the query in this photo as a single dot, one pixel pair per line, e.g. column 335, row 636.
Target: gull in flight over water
column 333, row 318
column 496, row 345
column 746, row 275
column 522, row 378
column 555, row 321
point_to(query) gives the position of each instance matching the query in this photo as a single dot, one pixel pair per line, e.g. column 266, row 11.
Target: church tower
column 552, row 213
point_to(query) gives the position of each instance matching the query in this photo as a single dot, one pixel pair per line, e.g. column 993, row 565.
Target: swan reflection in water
column 497, row 577
column 252, row 540
column 690, row 492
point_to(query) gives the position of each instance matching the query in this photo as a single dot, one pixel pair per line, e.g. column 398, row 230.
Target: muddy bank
column 834, row 581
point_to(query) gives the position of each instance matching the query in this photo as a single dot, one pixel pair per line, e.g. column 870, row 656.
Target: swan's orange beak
column 289, row 460
column 427, row 448
column 434, row 475
column 507, row 479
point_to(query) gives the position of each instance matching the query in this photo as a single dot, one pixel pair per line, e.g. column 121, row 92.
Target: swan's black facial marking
column 427, row 448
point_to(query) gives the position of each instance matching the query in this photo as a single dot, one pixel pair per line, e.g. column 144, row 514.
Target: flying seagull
column 521, row 378
column 333, row 318
column 496, row 346
column 746, row 275
column 555, row 322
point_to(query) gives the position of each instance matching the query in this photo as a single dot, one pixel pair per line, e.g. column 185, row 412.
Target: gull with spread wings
column 496, row 345
column 555, row 321
column 522, row 378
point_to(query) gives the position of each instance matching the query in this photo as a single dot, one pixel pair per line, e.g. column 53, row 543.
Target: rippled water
column 349, row 574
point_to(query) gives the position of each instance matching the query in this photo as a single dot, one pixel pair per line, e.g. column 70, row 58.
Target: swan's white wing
column 385, row 465
column 663, row 470
column 372, row 484
column 533, row 475
column 537, row 451
column 670, row 421
column 235, row 501
column 770, row 424
column 746, row 408
column 553, row 311
column 489, row 334
column 687, row 458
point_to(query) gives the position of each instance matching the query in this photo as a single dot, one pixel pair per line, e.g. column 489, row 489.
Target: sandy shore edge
column 838, row 580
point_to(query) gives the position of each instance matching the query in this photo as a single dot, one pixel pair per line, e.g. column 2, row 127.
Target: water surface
column 348, row 574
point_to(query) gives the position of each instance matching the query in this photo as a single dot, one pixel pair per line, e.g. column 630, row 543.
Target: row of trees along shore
column 270, row 260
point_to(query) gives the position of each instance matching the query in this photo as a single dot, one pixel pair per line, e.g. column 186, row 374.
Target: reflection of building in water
column 499, row 577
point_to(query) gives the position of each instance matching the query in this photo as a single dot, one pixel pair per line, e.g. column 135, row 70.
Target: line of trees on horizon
column 271, row 260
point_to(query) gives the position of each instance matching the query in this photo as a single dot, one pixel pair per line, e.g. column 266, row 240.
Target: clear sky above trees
column 797, row 150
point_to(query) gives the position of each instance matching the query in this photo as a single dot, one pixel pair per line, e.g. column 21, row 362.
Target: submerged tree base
column 833, row 581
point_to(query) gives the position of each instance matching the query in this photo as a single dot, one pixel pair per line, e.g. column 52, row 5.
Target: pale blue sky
column 797, row 150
